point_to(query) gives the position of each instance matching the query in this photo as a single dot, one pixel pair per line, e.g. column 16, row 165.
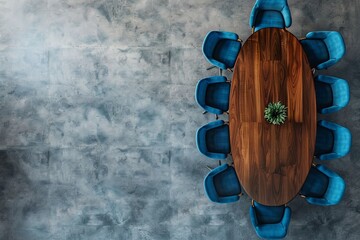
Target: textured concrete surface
column 97, row 120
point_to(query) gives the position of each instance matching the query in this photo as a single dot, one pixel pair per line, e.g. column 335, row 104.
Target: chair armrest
column 329, row 125
column 317, row 201
column 229, row 35
column 330, row 109
column 229, row 199
column 253, row 15
column 287, row 16
column 327, row 171
column 214, row 124
column 253, row 217
column 326, row 64
column 216, row 79
column 218, row 170
column 329, row 156
column 217, row 63
column 286, row 218
column 317, row 35
column 326, row 79
column 217, row 155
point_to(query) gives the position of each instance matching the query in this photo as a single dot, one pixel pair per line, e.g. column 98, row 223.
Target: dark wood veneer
column 272, row 162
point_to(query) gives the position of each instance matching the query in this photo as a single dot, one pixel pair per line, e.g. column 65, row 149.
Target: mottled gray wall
column 97, row 120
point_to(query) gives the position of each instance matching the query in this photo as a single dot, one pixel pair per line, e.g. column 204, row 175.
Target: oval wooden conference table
column 272, row 161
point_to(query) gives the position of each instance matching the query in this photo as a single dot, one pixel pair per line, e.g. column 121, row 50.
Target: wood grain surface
column 272, row 162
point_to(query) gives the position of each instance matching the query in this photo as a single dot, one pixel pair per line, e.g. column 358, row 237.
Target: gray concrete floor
column 98, row 120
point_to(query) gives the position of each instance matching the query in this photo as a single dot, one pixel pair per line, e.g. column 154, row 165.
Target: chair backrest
column 271, row 5
column 222, row 185
column 270, row 222
column 336, row 93
column 330, row 192
column 334, row 43
column 276, row 5
column 213, row 141
column 341, row 143
column 211, row 41
column 202, row 94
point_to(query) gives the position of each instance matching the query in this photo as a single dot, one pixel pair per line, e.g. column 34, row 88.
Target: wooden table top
column 272, row 161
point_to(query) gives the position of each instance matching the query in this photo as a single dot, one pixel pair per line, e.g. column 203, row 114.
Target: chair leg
column 211, row 67
column 313, row 71
column 204, row 112
column 216, row 117
column 220, row 72
column 240, row 40
column 210, row 168
column 219, row 163
column 302, row 38
column 230, row 70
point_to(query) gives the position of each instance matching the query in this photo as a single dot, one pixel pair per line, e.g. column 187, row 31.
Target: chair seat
column 217, row 96
column 267, row 18
column 324, row 140
column 315, row 184
column 316, row 51
column 218, row 140
column 226, row 51
column 268, row 214
column 227, row 184
column 324, row 95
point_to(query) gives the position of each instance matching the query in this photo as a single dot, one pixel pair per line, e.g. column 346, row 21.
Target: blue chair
column 212, row 94
column 332, row 93
column 270, row 222
column 270, row 14
column 221, row 49
column 323, row 187
column 213, row 140
column 222, row 185
column 332, row 141
column 323, row 48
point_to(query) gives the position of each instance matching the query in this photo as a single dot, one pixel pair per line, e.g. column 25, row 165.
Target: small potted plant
column 275, row 113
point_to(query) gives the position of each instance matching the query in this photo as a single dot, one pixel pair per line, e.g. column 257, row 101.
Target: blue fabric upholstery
column 332, row 141
column 315, row 184
column 316, row 51
column 213, row 140
column 323, row 48
column 221, row 48
column 323, row 187
column 222, row 185
column 332, row 94
column 212, row 94
column 270, row 13
column 270, row 222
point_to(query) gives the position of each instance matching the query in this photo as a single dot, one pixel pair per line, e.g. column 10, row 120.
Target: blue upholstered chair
column 222, row 185
column 212, row 94
column 270, row 14
column 213, row 140
column 323, row 48
column 270, row 222
column 221, row 48
column 332, row 141
column 323, row 187
column 332, row 93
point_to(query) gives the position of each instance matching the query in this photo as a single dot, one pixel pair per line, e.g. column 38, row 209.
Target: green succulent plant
column 275, row 113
